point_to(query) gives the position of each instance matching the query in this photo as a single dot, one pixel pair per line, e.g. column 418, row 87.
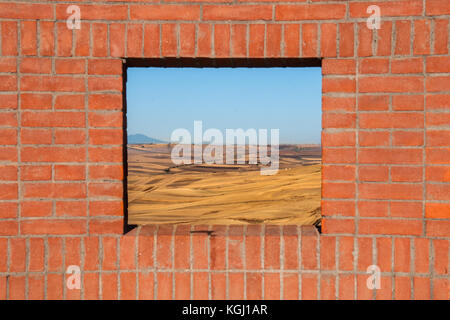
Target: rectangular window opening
column 222, row 141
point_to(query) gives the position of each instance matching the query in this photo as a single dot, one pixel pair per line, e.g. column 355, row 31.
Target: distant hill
column 142, row 138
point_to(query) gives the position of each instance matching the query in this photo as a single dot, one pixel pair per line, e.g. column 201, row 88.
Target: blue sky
column 160, row 100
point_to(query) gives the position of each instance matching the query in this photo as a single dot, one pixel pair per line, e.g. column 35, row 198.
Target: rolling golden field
column 160, row 192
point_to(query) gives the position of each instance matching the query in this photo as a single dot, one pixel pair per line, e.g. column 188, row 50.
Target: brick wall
column 386, row 152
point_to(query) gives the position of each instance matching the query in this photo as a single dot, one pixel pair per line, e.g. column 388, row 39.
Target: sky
column 160, row 100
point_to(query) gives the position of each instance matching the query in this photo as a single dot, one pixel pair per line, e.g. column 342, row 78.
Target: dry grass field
column 160, row 192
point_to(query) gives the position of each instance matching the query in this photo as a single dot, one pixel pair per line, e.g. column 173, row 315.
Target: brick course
column 386, row 152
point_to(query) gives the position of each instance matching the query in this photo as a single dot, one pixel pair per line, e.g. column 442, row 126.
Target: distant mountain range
column 142, row 138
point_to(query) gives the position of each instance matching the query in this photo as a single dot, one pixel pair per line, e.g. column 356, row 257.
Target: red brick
column 327, row 253
column 309, row 287
column 237, row 12
column 309, row 245
column 46, row 38
column 393, row 8
column 109, row 287
column 440, row 36
column 8, row 191
column 390, row 191
column 254, row 287
column 26, row 11
column 309, row 40
column 151, row 41
column 36, row 208
column 408, row 102
column 91, row 253
column 402, row 255
column 403, row 37
column 402, row 288
column 338, row 190
column 338, row 208
column 105, row 102
column 204, row 40
column 407, row 138
column 406, row 174
column 91, row 285
column 222, row 40
column 8, row 210
column 421, row 288
column 373, row 173
column 146, row 283
column 127, row 253
column 64, row 38
column 272, row 249
column 54, row 254
column 45, row 227
column 365, row 40
column 17, row 288
column 9, row 37
column 8, row 101
column 98, row 154
column 187, row 39
column 70, row 208
column 310, row 12
column 338, row 155
column 53, row 154
column 100, row 34
column 9, row 228
column 390, row 227
column 28, row 39
column 105, row 84
column 438, row 191
column 69, row 101
column 328, row 42
column 346, row 40
column 36, row 65
column 440, row 289
column 384, row 254
column 134, row 40
column 390, row 156
column 218, row 286
column 337, row 104
column 346, row 287
column 384, row 38
column 346, row 173
column 127, row 285
column 436, row 84
column 437, row 210
column 36, row 287
column 200, row 286
column 8, row 83
column 103, row 189
column 82, row 40
column 406, row 209
column 35, row 136
column 273, row 40
column 182, row 286
column 341, row 85
column 441, row 253
column 106, row 208
column 70, row 136
column 373, row 208
column 164, row 280
column 422, row 37
column 117, row 39
column 338, row 66
column 18, row 251
column 374, row 65
column 165, row 12
column 256, row 40
column 292, row 40
column 51, row 83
